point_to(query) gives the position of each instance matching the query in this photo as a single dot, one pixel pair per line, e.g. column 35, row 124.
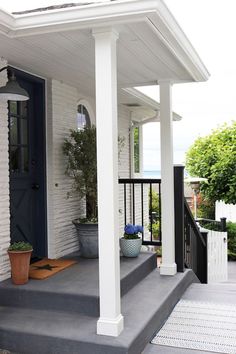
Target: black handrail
column 213, row 224
column 130, row 194
column 195, row 246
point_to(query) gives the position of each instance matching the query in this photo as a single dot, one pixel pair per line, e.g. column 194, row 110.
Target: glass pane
column 136, row 151
column 14, row 159
column 83, row 119
column 24, row 159
column 13, row 131
column 23, row 131
column 13, row 107
column 23, row 108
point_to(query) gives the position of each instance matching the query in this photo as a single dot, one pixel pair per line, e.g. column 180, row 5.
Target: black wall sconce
column 12, row 91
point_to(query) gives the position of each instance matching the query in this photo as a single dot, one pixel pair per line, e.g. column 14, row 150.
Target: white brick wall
column 4, row 184
column 61, row 117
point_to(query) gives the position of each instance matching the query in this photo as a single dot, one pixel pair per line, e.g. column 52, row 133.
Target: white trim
column 111, row 320
column 153, row 12
column 98, row 14
column 168, row 269
column 133, row 173
column 110, row 327
column 168, row 266
column 148, row 101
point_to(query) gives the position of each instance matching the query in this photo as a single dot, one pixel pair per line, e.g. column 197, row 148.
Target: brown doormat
column 47, row 267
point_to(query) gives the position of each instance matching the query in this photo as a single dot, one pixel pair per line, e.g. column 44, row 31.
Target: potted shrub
column 130, row 243
column 20, row 254
column 80, row 151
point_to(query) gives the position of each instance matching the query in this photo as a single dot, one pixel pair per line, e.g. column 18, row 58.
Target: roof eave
column 153, row 12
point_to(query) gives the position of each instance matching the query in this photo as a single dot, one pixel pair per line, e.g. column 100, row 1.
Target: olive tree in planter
column 80, row 151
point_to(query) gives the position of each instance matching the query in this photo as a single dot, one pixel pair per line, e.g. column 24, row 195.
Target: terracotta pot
column 20, row 262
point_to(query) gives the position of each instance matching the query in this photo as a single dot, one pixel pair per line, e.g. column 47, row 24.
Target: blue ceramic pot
column 130, row 248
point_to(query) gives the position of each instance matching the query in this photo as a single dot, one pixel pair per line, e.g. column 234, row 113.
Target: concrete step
column 145, row 308
column 75, row 289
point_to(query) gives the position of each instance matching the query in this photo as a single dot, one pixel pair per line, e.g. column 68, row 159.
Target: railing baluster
column 142, row 211
column 125, row 209
column 150, row 209
column 139, row 213
column 133, row 205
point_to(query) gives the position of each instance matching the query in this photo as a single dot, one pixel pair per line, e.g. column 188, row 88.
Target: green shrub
column 20, row 246
column 155, row 230
column 231, row 229
column 206, row 209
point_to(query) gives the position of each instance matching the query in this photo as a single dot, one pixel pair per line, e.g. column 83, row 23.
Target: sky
column 211, row 27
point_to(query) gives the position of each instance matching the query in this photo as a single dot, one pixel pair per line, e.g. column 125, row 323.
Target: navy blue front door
column 27, row 165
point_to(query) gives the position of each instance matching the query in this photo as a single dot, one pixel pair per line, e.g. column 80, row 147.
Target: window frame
column 88, row 106
column 133, row 173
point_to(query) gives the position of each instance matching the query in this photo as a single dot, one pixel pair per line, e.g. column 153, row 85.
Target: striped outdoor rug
column 200, row 325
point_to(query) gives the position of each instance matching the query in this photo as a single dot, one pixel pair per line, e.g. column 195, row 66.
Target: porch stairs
column 59, row 315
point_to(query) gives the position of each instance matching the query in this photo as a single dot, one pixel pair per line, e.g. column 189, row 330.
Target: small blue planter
column 130, row 248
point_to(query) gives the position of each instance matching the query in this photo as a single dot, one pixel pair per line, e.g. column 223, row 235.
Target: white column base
column 168, row 269
column 108, row 327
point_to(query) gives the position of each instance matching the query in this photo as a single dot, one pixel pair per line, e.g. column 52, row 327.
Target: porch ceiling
column 148, row 50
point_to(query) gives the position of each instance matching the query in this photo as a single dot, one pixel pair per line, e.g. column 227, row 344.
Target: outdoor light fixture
column 12, row 91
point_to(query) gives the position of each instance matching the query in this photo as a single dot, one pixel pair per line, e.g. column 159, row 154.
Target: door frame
column 40, row 108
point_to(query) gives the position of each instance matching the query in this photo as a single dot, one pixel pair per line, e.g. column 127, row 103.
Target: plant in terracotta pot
column 80, row 151
column 131, row 242
column 20, row 254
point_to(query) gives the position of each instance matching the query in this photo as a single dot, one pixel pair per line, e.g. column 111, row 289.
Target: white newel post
column 110, row 321
column 168, row 266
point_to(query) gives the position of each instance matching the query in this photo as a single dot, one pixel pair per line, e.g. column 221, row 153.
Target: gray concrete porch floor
column 82, row 277
column 224, row 292
column 41, row 330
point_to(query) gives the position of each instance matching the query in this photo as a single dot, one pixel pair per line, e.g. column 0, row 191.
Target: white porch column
column 111, row 320
column 168, row 266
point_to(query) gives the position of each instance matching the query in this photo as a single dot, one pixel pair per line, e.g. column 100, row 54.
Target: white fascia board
column 88, row 16
column 146, row 100
column 169, row 31
column 6, row 22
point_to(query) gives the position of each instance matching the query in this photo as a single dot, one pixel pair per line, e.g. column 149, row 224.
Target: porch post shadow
column 111, row 321
column 168, row 266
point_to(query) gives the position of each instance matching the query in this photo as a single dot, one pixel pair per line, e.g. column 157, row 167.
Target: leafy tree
column 214, row 157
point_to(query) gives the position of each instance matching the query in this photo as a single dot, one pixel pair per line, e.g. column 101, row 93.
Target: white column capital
column 104, row 32
column 165, row 82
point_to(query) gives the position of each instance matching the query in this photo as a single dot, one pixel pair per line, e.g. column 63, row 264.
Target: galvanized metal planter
column 88, row 239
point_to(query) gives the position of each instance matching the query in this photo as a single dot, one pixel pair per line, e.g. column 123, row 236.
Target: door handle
column 35, row 186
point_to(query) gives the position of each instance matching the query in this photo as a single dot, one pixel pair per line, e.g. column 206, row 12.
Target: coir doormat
column 48, row 267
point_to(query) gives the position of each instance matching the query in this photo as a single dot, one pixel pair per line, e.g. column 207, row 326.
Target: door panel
column 27, row 165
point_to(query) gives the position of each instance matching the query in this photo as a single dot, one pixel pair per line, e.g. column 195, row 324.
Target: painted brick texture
column 4, row 184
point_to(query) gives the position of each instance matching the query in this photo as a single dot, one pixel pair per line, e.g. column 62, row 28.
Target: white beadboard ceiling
column 143, row 58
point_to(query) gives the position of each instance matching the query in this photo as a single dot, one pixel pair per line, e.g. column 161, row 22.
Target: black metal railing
column 214, row 225
column 139, row 197
column 195, row 246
